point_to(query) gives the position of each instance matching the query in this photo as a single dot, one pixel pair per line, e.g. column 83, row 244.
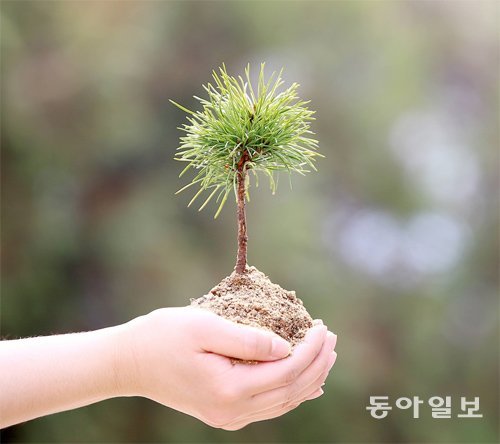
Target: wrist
column 124, row 362
column 145, row 347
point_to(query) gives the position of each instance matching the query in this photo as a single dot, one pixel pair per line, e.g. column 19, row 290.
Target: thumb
column 234, row 340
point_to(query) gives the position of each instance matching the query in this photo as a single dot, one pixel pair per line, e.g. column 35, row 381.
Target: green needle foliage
column 242, row 128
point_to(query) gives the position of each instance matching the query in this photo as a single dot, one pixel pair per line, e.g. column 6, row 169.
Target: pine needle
column 272, row 127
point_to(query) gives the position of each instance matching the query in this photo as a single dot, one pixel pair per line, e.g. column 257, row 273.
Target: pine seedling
column 242, row 129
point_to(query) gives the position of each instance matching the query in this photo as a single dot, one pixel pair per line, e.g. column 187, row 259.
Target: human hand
column 181, row 358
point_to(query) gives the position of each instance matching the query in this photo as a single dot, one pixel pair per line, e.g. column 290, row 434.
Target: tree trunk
column 241, row 258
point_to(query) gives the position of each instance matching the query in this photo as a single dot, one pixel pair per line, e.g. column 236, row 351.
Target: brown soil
column 252, row 299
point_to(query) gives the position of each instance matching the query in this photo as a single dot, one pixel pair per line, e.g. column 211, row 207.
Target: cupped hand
column 180, row 357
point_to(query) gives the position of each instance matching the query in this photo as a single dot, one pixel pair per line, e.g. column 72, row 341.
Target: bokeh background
column 394, row 242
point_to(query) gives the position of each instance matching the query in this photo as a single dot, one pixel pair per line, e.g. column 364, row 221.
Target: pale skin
column 178, row 357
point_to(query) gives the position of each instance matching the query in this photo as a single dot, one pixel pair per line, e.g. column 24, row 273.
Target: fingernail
column 316, row 330
column 315, row 395
column 317, row 322
column 333, row 358
column 333, row 338
column 280, row 348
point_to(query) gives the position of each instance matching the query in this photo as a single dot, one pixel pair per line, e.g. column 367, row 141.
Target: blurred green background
column 394, row 243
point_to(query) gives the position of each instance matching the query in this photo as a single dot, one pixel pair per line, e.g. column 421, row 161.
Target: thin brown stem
column 241, row 258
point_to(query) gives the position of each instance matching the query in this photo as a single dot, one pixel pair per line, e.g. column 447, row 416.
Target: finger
column 267, row 376
column 271, row 414
column 227, row 338
column 309, row 381
column 315, row 395
column 334, row 340
column 319, row 382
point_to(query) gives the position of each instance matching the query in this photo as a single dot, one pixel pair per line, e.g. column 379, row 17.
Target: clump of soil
column 252, row 299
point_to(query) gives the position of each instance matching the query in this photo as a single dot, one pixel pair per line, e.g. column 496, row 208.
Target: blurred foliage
column 394, row 243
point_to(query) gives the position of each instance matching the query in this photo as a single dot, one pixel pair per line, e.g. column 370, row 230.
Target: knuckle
column 229, row 394
column 289, row 398
column 285, row 406
column 253, row 344
column 218, row 419
column 233, row 427
column 321, row 382
column 290, row 376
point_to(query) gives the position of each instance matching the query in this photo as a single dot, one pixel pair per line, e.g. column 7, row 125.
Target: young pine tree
column 240, row 129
